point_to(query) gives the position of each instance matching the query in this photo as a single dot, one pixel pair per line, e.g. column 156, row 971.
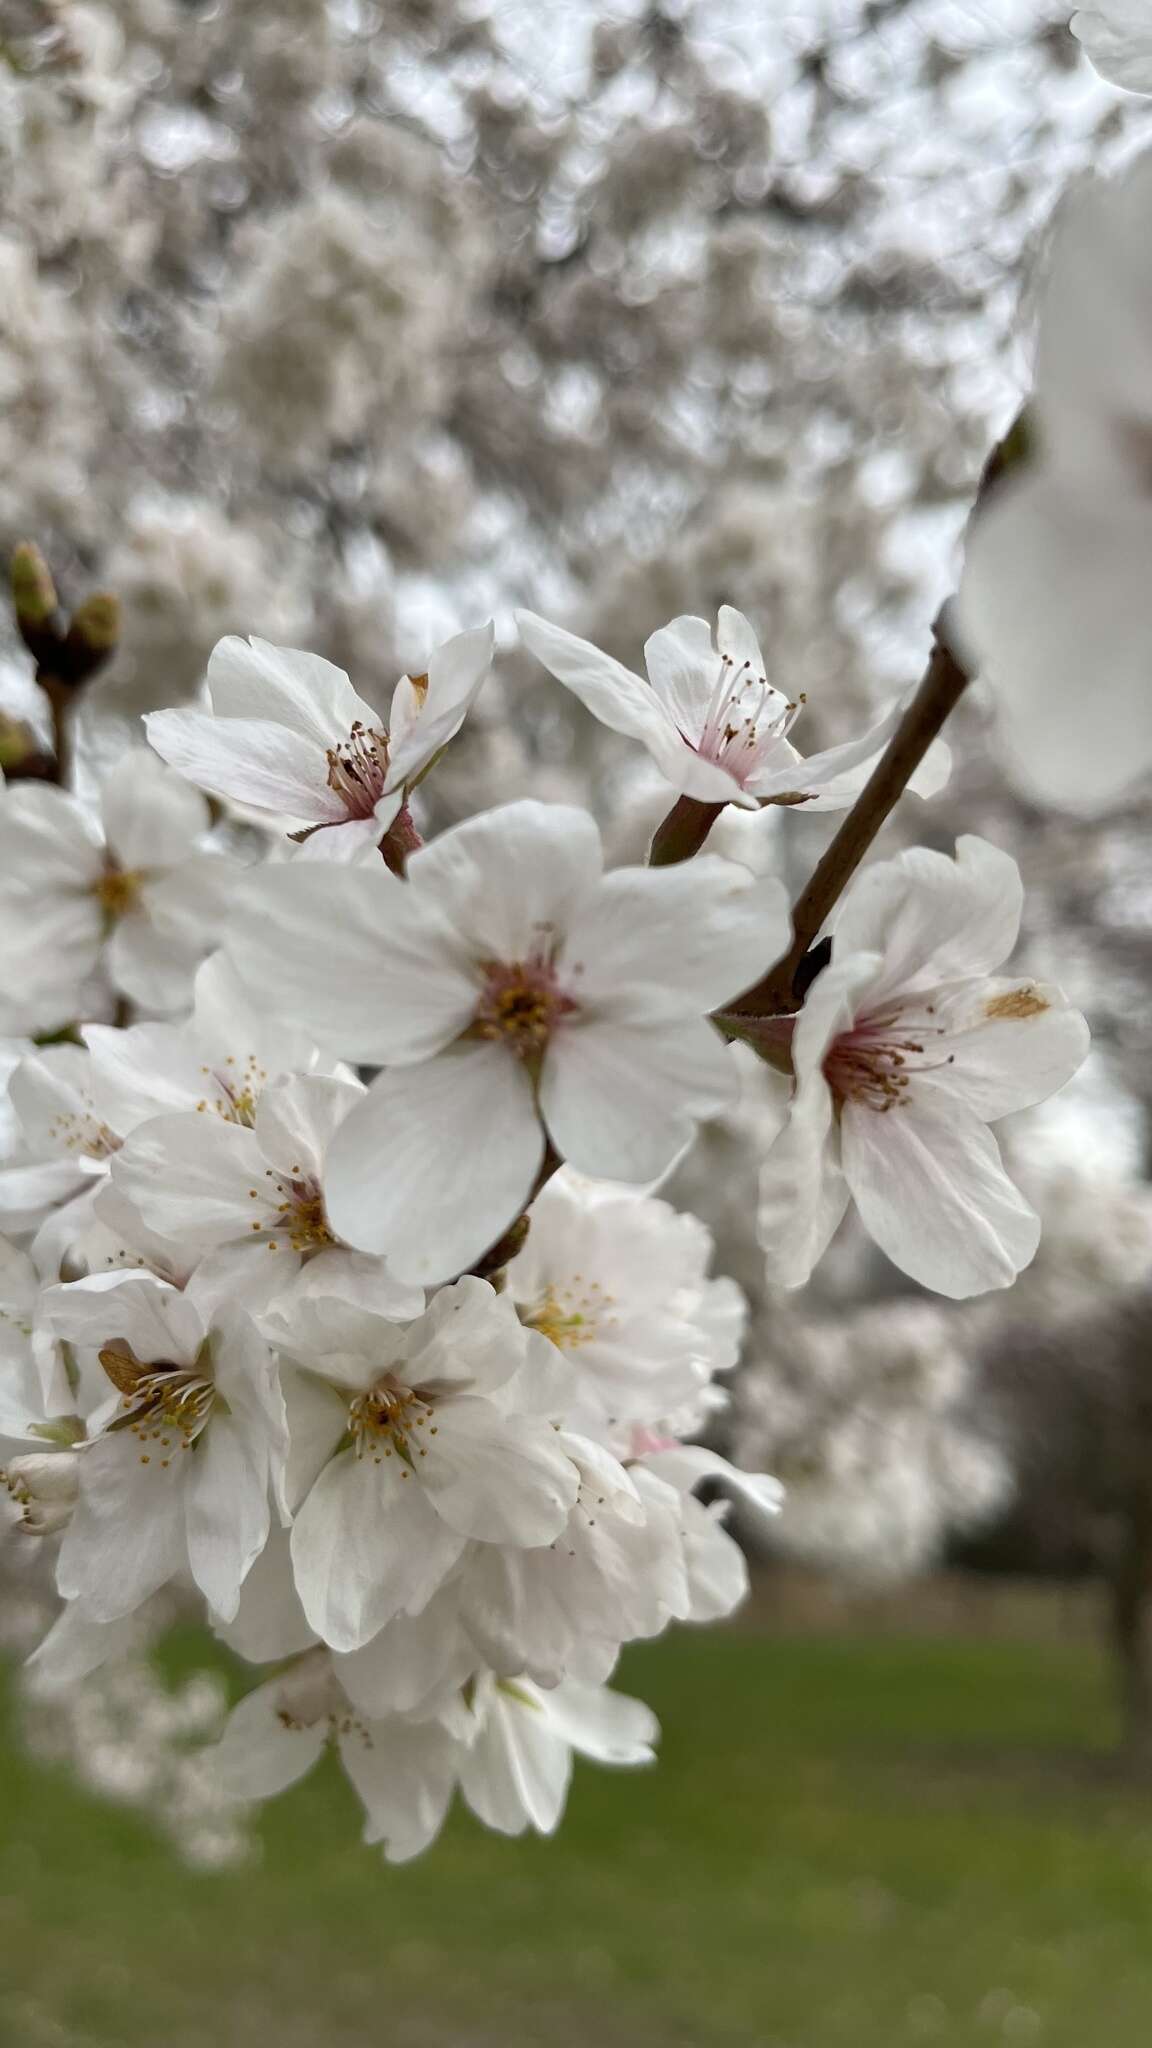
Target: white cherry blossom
column 129, row 893
column 618, row 1281
column 287, row 737
column 509, row 1753
column 712, row 722
column 1117, row 37
column 409, row 1440
column 240, row 1176
column 514, row 992
column 50, row 1179
column 219, row 1059
column 403, row 1771
column 183, row 1459
column 906, row 1050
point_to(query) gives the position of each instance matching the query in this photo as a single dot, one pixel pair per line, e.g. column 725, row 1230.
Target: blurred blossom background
column 349, row 324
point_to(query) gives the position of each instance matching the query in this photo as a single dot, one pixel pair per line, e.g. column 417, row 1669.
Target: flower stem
column 943, row 685
column 682, row 832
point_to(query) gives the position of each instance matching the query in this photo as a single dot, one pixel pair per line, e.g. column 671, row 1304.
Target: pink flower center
column 744, row 720
column 520, row 1005
column 874, row 1062
column 358, row 769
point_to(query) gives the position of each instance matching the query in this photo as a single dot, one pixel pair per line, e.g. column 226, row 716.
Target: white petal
column 607, row 1726
column 192, row 1177
column 254, row 679
column 510, row 879
column 250, row 761
column 405, row 1776
column 517, row 1771
column 700, row 933
column 156, row 1321
column 1008, row 1045
column 228, row 1515
column 297, row 1117
column 153, row 967
column 261, row 1752
column 354, row 956
column 366, row 1546
column 455, row 673
column 399, row 1180
column 126, row 1537
column 1056, row 605
column 683, row 663
column 930, row 1187
column 269, row 1623
column 932, row 919
column 1117, row 37
column 151, row 818
column 498, row 1478
column 621, row 1095
column 619, row 699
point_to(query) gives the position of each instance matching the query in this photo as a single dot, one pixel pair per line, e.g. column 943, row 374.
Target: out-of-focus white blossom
column 1054, row 603
column 1117, row 37
column 130, row 893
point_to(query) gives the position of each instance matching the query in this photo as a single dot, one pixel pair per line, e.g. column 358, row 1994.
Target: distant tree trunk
column 1131, row 1605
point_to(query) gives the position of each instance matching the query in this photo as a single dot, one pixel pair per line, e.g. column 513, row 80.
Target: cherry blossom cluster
column 335, row 1289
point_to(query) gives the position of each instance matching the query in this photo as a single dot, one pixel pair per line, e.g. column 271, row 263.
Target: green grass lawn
column 846, row 1845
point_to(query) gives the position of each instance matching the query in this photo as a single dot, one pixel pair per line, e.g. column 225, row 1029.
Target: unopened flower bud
column 92, row 635
column 34, row 598
column 44, row 1485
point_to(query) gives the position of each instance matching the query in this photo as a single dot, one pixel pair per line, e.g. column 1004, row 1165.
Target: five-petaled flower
column 517, row 996
column 904, row 1053
column 712, row 721
column 288, row 737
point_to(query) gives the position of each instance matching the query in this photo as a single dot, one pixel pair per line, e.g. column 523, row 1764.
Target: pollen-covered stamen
column 118, row 890
column 520, row 1005
column 875, row 1061
column 358, row 769
column 570, row 1316
column 299, row 1222
column 165, row 1406
column 745, row 717
column 233, row 1090
column 83, row 1134
column 391, row 1419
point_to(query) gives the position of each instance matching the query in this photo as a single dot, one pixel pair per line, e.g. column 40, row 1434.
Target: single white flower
column 218, row 1060
column 615, row 1573
column 618, row 1281
column 130, row 894
column 1055, row 603
column 45, row 1486
column 418, row 1438
column 34, row 1392
column 404, row 1772
column 242, row 1175
column 515, row 994
column 183, row 1458
column 1117, row 38
column 288, row 737
column 711, row 720
column 905, row 1051
column 50, row 1179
